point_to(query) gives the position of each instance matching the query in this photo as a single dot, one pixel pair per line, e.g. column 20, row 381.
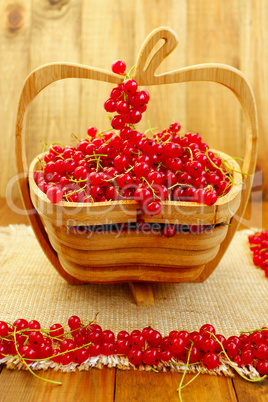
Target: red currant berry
column 185, row 336
column 20, row 324
column 122, row 346
column 130, row 86
column 262, row 367
column 153, row 208
column 256, row 337
column 135, row 356
column 262, row 351
column 210, row 197
column 74, row 322
column 142, row 194
column 136, row 332
column 174, row 127
column 118, row 122
column 165, row 355
column 247, row 356
column 137, row 341
column 197, row 340
column 107, row 336
column 117, row 94
column 238, row 360
column 151, row 356
column 154, row 338
column 80, row 355
column 169, row 231
column 231, row 349
column 194, row 355
column 54, row 194
column 134, row 116
column 108, row 348
column 110, row 105
column 222, row 339
column 211, row 360
column 206, row 330
column 94, row 350
column 4, row 329
column 44, row 351
column 94, row 337
column 3, row 351
column 35, row 339
column 123, row 335
column 79, row 339
column 121, row 162
column 119, row 67
column 209, row 345
column 122, row 107
column 56, row 331
column 141, row 169
column 177, row 346
column 66, row 359
column 92, row 131
column 28, row 353
column 67, row 344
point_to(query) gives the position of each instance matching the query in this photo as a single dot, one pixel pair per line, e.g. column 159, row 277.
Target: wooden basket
column 80, row 255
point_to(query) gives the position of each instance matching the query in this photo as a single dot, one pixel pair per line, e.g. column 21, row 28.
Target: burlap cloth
column 233, row 299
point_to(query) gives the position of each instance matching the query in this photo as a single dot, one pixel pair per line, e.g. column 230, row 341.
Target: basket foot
column 143, row 293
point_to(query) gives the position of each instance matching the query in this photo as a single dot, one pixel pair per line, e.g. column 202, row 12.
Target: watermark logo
column 76, row 217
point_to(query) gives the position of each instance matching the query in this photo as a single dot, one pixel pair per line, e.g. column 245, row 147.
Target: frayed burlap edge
column 122, row 363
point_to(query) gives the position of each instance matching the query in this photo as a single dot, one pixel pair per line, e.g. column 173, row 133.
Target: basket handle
column 33, row 85
column 150, row 59
column 148, row 62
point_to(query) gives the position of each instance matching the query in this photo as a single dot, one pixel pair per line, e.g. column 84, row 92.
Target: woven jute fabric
column 233, row 299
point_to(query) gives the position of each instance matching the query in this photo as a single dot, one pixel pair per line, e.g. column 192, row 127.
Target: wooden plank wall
column 96, row 32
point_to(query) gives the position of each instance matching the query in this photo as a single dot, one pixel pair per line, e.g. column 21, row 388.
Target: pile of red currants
column 31, row 343
column 259, row 245
column 124, row 164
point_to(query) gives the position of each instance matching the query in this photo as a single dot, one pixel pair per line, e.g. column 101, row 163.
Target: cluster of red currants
column 126, row 100
column 31, row 343
column 259, row 245
column 125, row 164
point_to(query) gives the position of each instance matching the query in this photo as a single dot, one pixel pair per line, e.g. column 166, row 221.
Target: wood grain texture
column 142, row 386
column 130, row 272
column 22, row 386
column 114, row 26
column 15, row 31
column 232, row 32
column 167, row 104
column 213, row 35
column 253, row 57
column 249, row 392
column 142, row 293
column 55, row 36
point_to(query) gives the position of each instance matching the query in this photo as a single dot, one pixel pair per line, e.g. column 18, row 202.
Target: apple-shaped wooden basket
column 134, row 256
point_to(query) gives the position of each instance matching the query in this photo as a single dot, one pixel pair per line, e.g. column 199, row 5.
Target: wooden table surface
column 115, row 385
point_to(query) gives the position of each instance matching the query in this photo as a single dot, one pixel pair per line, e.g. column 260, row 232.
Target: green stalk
column 184, row 373
column 189, row 382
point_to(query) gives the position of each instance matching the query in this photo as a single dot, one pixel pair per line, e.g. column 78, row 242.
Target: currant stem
column 189, row 382
column 184, row 373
